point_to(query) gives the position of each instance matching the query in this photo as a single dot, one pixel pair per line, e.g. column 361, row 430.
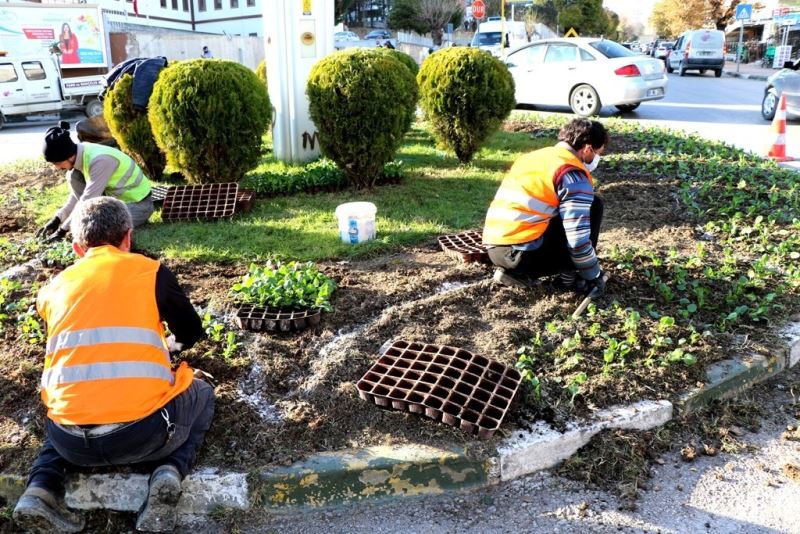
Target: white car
column 585, row 74
column 344, row 39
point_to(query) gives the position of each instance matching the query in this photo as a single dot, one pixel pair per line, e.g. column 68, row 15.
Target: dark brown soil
column 286, row 396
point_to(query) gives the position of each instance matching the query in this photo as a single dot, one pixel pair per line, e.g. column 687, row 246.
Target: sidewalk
column 748, row 71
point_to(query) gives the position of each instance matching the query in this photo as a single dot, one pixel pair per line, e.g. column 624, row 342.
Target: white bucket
column 356, row 221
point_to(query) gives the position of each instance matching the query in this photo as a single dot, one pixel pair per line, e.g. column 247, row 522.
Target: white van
column 32, row 85
column 699, row 50
column 488, row 35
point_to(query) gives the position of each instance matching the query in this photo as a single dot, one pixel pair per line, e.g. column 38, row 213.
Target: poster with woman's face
column 74, row 33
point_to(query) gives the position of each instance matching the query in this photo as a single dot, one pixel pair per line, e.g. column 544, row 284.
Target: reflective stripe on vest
column 55, row 376
column 112, row 334
column 527, row 199
column 127, row 183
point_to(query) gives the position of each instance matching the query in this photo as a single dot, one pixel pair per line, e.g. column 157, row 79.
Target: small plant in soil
column 218, row 333
column 292, row 285
column 59, row 254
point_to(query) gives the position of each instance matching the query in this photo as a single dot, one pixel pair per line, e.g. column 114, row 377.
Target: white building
column 227, row 17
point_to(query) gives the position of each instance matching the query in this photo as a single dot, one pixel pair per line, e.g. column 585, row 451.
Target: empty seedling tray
column 199, row 202
column 245, row 199
column 257, row 319
column 466, row 246
column 445, row 383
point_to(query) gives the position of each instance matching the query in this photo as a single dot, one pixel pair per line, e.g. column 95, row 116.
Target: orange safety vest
column 527, row 198
column 107, row 359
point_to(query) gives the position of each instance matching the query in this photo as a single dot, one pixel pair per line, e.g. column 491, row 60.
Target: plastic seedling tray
column 245, row 199
column 466, row 246
column 159, row 192
column 257, row 319
column 199, row 202
column 447, row 384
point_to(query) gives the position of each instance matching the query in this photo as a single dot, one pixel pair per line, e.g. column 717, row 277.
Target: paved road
column 24, row 140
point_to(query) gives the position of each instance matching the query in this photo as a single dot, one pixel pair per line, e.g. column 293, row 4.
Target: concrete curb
column 408, row 470
column 744, row 76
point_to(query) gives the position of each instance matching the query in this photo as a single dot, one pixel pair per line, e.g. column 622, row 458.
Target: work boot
column 570, row 281
column 159, row 512
column 503, row 277
column 39, row 510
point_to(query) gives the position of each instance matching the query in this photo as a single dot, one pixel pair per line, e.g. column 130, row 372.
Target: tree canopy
column 670, row 18
column 426, row 16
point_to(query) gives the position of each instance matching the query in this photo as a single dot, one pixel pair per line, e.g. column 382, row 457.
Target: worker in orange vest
column 112, row 397
column 545, row 217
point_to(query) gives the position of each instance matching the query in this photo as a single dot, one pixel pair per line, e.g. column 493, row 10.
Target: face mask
column 591, row 166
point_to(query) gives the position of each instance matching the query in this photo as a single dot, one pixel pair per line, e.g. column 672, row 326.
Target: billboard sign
column 76, row 30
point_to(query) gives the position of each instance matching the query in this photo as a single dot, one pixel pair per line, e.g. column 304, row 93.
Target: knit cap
column 58, row 145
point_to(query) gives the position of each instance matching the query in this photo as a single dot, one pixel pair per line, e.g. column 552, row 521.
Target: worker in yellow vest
column 545, row 217
column 111, row 394
column 94, row 170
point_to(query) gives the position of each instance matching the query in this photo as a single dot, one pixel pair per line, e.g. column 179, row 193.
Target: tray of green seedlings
column 282, row 297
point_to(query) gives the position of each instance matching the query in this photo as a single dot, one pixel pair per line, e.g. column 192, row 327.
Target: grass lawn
column 437, row 196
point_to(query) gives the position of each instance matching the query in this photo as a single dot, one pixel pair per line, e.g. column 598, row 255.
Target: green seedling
column 292, row 285
column 573, row 387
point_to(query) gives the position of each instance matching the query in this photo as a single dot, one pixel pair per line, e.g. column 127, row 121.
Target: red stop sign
column 478, row 9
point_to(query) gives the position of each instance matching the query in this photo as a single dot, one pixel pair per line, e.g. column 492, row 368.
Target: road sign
column 744, row 11
column 478, row 9
column 571, row 33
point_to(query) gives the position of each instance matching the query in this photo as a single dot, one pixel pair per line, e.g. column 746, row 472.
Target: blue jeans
column 146, row 440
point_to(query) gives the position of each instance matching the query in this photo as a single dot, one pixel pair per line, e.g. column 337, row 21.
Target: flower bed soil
column 288, row 395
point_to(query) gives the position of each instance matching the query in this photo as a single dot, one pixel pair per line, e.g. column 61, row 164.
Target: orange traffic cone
column 778, row 149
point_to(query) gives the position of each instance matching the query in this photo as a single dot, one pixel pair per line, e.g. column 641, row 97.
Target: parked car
column 663, row 50
column 699, row 50
column 585, row 74
column 379, row 34
column 345, row 36
column 786, row 80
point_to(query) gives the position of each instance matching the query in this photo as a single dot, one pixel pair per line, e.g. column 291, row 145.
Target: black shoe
column 503, row 277
column 159, row 513
column 578, row 285
column 39, row 510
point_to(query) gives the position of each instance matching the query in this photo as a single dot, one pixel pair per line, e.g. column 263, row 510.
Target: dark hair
column 100, row 221
column 580, row 132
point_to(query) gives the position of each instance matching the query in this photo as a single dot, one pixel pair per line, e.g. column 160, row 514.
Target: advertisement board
column 76, row 30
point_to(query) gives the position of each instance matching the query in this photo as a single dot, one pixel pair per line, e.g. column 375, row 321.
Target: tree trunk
column 436, row 35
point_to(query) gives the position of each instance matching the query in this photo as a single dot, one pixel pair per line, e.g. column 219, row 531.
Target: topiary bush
column 362, row 102
column 404, row 58
column 208, row 116
column 465, row 93
column 261, row 71
column 131, row 129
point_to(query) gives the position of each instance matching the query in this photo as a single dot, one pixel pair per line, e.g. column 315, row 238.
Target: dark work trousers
column 146, row 440
column 553, row 255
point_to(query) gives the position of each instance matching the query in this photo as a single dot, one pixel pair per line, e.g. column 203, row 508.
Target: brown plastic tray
column 245, row 199
column 199, row 202
column 467, row 246
column 447, row 384
column 257, row 319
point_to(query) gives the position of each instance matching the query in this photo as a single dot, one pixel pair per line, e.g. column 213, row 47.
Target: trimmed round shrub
column 208, row 116
column 362, row 102
column 131, row 129
column 261, row 71
column 466, row 94
column 404, row 58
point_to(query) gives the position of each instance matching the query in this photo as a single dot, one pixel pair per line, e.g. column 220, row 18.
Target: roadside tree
column 426, row 16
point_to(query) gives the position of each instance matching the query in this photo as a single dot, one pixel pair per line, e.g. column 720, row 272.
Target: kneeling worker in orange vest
column 545, row 218
column 112, row 397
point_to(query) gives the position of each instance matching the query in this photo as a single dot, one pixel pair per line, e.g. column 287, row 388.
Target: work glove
column 598, row 285
column 173, row 345
column 49, row 228
column 56, row 236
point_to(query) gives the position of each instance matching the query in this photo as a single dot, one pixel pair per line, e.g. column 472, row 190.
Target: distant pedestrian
column 378, row 43
column 388, row 44
column 206, row 53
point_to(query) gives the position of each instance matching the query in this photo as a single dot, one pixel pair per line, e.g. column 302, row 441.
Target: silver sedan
column 585, row 74
column 785, row 81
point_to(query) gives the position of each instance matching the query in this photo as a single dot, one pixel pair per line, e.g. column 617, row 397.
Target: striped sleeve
column 575, row 194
